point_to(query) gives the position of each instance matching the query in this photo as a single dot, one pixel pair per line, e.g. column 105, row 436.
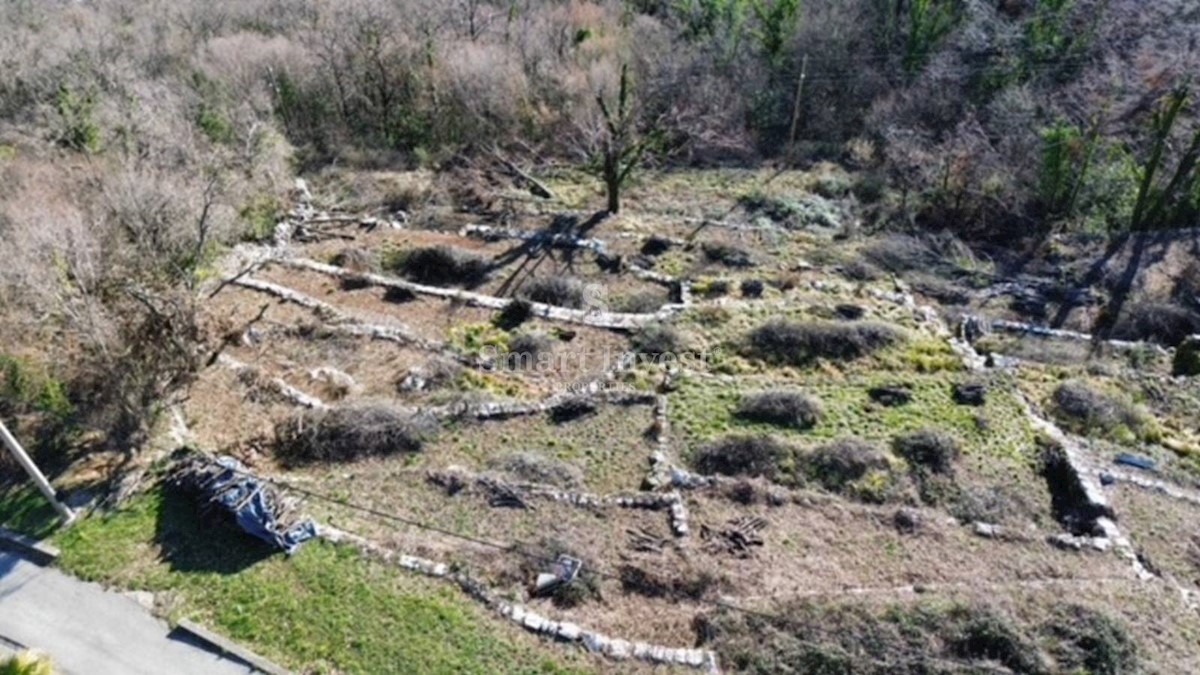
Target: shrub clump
column 844, row 461
column 441, row 266
column 741, row 455
column 728, row 255
column 350, row 432
column 526, row 349
column 1083, row 409
column 1088, row 641
column 560, row 291
column 514, row 314
column 781, row 408
column 809, row 637
column 357, row 259
column 656, row 339
column 929, row 449
column 800, row 343
column 1163, row 323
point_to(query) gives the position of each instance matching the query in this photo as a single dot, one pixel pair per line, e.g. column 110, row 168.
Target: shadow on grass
column 23, row 509
column 195, row 540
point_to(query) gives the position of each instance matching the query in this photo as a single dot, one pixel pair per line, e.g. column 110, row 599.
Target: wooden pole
column 791, row 149
column 36, row 474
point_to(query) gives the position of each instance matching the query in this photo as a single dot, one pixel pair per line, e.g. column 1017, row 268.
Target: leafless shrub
column 357, row 259
column 557, row 290
column 928, row 448
column 741, row 455
column 442, row 266
column 1085, row 409
column 843, row 461
column 347, row 433
column 782, row 408
column 656, row 339
column 687, row 584
column 1157, row 322
column 525, row 349
column 800, row 343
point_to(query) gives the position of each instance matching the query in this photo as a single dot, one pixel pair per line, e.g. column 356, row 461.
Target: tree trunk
column 612, row 181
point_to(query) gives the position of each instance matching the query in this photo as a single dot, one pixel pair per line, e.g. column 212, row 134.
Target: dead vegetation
column 560, row 291
column 781, row 408
column 1086, row 410
column 347, row 433
column 801, row 343
column 741, row 455
column 920, row 638
column 440, row 266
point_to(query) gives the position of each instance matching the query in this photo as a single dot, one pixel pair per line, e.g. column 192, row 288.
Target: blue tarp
column 1137, row 461
column 242, row 494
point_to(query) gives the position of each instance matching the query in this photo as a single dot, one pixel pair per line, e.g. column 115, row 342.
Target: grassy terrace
column 326, row 609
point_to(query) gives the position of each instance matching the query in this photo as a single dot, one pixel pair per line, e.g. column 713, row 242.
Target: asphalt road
column 89, row 631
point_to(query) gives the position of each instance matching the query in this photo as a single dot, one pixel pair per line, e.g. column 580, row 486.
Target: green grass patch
column 326, row 609
column 23, row 509
column 704, row 408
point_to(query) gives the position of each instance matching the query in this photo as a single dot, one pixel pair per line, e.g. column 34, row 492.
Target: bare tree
column 621, row 145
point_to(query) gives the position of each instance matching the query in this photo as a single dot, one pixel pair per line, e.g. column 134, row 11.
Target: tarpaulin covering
column 229, row 485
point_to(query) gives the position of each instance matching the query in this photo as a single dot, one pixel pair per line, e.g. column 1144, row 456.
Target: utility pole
column 38, row 479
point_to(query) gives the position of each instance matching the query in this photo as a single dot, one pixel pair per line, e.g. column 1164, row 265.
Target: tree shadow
column 192, row 539
column 534, row 251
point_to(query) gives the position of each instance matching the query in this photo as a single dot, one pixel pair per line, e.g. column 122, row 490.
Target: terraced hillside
column 771, row 446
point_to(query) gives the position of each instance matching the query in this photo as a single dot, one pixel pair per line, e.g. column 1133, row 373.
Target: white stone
column 619, row 649
column 569, row 631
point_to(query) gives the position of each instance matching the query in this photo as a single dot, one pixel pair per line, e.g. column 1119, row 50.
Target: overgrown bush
column 441, row 266
column 686, row 584
column 357, row 259
column 801, row 343
column 515, row 313
column 727, row 254
column 525, row 350
column 781, row 408
column 1086, row 640
column 557, row 290
column 351, row 432
column 841, row 462
column 656, row 339
column 906, row 639
column 1157, row 322
column 1086, row 410
column 741, row 455
column 930, row 449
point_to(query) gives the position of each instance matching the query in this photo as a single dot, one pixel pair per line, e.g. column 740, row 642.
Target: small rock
column 987, row 530
column 143, row 598
column 1066, row 541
